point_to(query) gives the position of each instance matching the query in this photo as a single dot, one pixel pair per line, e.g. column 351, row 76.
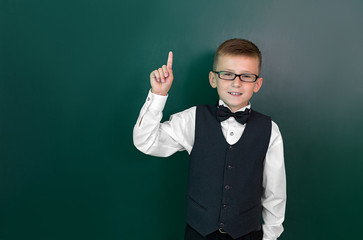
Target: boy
column 236, row 170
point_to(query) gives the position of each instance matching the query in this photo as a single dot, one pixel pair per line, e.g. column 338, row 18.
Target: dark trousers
column 191, row 234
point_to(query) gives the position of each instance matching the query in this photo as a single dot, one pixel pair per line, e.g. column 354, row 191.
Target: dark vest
column 225, row 181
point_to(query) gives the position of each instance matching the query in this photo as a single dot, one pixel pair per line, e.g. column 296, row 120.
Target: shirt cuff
column 156, row 102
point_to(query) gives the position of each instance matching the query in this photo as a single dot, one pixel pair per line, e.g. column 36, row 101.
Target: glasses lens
column 226, row 75
column 248, row 77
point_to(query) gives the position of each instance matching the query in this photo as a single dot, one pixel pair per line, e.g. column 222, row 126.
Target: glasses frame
column 236, row 75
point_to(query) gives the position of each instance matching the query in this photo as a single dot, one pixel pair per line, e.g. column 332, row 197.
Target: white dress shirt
column 163, row 139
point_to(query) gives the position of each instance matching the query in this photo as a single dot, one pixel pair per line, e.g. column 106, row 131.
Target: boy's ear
column 258, row 85
column 212, row 79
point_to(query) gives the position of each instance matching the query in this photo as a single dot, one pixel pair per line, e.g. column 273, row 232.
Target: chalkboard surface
column 74, row 75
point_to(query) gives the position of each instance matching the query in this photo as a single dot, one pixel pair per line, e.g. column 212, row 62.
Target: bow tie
column 224, row 113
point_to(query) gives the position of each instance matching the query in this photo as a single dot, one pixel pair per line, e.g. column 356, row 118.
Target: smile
column 235, row 93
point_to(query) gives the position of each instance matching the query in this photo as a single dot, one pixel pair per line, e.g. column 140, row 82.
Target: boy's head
column 241, row 57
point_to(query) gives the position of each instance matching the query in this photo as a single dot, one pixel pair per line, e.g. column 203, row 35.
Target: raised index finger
column 170, row 60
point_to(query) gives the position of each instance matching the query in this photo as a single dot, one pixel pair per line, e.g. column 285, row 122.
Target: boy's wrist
column 159, row 93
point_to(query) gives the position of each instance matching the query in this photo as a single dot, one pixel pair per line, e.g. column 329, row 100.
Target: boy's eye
column 227, row 74
column 246, row 76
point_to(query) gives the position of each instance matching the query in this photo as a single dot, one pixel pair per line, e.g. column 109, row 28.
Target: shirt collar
column 220, row 102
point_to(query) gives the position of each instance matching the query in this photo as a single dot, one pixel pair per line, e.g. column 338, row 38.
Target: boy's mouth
column 235, row 93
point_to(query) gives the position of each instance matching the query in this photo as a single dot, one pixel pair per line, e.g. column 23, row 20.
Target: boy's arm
column 163, row 139
column 274, row 184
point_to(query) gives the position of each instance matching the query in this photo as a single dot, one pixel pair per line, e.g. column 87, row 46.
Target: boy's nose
column 236, row 82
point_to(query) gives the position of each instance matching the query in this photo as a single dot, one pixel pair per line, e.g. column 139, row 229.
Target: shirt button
column 148, row 98
column 231, row 133
column 227, row 187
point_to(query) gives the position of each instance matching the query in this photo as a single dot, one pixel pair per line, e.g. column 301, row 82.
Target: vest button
column 230, row 148
column 227, row 187
column 225, row 206
column 229, row 167
column 221, row 225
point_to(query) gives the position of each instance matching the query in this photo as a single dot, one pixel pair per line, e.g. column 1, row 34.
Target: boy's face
column 235, row 93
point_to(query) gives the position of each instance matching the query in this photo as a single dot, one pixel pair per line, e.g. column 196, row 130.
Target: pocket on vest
column 195, row 202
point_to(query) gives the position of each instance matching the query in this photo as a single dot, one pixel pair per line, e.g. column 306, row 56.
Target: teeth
column 233, row 93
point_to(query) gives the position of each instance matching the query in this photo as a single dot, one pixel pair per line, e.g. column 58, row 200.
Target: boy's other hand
column 162, row 78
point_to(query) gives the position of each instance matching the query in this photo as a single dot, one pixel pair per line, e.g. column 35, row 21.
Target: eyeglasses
column 244, row 77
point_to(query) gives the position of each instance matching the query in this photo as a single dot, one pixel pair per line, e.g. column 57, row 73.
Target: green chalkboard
column 74, row 75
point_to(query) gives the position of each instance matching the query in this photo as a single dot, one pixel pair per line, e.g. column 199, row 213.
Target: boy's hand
column 162, row 78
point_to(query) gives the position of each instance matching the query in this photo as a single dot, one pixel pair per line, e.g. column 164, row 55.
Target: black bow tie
column 224, row 113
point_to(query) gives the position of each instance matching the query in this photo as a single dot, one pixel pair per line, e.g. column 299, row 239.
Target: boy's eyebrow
column 229, row 70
